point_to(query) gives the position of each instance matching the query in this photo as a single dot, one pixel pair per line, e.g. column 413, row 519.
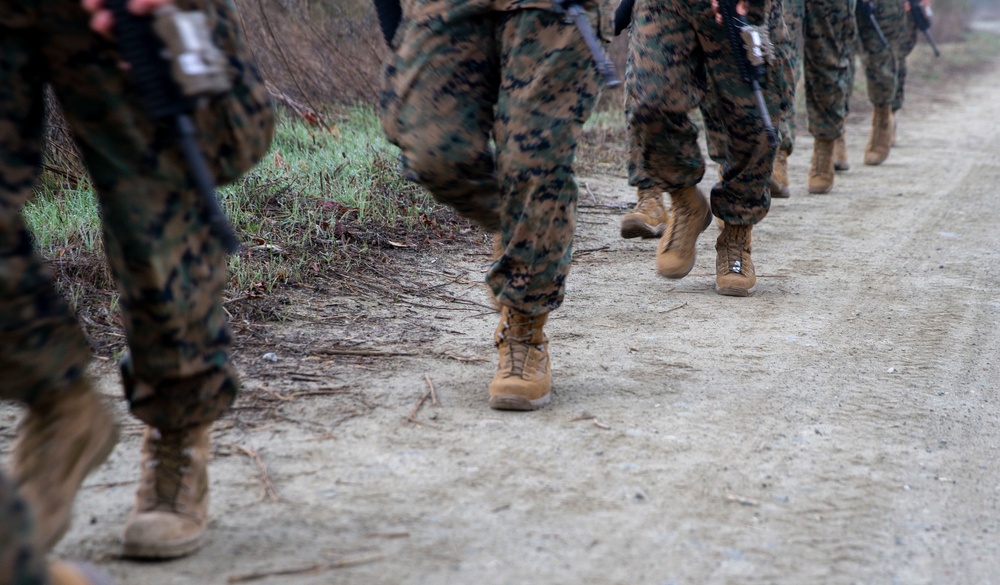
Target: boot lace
column 518, row 347
column 736, row 248
column 170, row 462
column 679, row 221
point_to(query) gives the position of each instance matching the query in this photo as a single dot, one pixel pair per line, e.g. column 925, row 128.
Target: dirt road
column 839, row 427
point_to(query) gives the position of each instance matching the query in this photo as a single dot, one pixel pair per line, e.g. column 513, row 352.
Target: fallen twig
column 269, row 492
column 590, row 250
column 312, row 569
column 423, row 398
column 361, row 352
column 434, row 398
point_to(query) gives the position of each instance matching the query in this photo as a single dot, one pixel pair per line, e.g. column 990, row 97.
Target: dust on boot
column 690, row 214
column 648, row 218
column 734, row 271
column 63, row 438
column 821, row 167
column 524, row 375
column 171, row 505
column 779, row 177
column 880, row 140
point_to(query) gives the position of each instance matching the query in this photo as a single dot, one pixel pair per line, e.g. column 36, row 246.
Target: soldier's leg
column 881, row 65
column 829, row 30
column 665, row 83
column 904, row 43
column 648, row 218
column 742, row 198
column 537, row 128
column 785, row 45
column 43, row 353
column 437, row 106
column 171, row 272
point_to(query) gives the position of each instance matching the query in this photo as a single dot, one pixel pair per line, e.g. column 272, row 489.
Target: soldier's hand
column 103, row 22
column 741, row 9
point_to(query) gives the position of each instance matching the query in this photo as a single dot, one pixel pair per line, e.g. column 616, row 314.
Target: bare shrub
column 320, row 53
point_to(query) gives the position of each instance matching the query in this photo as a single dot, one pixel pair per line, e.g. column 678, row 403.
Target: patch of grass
column 321, row 198
column 61, row 216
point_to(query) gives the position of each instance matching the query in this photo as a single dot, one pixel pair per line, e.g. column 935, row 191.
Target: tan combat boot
column 60, row 442
column 779, row 177
column 73, row 573
column 171, row 506
column 524, row 375
column 821, row 168
column 880, row 140
column 734, row 272
column 690, row 214
column 840, row 162
column 648, row 218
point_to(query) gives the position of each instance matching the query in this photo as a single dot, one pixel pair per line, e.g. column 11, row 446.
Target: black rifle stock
column 162, row 99
column 751, row 72
column 922, row 21
column 867, row 8
column 623, row 16
column 390, row 13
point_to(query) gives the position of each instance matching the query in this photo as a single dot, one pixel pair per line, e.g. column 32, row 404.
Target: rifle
column 750, row 45
column 922, row 20
column 168, row 88
column 867, row 8
column 623, row 16
column 390, row 12
column 575, row 14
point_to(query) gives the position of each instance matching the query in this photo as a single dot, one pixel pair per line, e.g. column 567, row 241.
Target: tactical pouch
column 235, row 128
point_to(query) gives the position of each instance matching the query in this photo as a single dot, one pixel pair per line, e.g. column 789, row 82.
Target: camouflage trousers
column 716, row 133
column 829, row 32
column 885, row 67
column 20, row 562
column 792, row 12
column 679, row 60
column 170, row 270
column 522, row 77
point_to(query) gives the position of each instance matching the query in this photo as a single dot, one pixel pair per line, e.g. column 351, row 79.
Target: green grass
column 319, row 190
column 60, row 216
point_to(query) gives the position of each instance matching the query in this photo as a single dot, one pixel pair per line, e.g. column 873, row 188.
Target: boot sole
column 514, row 402
column 636, row 228
column 735, row 291
column 162, row 551
column 841, row 166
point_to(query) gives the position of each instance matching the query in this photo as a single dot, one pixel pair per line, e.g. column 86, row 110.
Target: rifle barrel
column 579, row 17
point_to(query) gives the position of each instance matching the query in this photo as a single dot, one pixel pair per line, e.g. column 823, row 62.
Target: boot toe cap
column 161, row 535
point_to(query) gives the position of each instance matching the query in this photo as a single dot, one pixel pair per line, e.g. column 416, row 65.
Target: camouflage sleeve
column 757, row 11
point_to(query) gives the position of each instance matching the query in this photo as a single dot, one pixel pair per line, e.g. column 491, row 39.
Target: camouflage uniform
column 170, row 271
column 678, row 56
column 828, row 29
column 715, row 130
column 885, row 67
column 792, row 12
column 465, row 71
